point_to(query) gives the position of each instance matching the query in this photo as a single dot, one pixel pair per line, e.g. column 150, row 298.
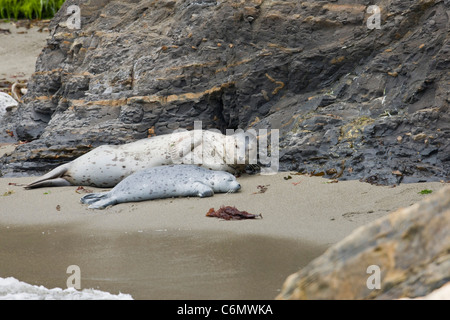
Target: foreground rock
column 349, row 101
column 443, row 293
column 411, row 248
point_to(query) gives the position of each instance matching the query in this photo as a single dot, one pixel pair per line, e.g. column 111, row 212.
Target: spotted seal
column 165, row 182
column 107, row 165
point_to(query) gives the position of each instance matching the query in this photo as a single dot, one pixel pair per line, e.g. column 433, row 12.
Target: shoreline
column 169, row 249
column 294, row 208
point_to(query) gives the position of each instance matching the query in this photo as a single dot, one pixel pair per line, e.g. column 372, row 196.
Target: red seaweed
column 261, row 188
column 81, row 189
column 231, row 213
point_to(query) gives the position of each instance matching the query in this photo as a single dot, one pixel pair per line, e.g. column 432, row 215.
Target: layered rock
column 409, row 250
column 349, row 101
column 443, row 293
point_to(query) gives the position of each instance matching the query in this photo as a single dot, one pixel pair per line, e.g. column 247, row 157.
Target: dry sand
column 302, row 208
column 169, row 249
column 19, row 51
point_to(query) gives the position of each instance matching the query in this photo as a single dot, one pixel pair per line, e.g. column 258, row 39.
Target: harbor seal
column 107, row 165
column 165, row 182
column 6, row 103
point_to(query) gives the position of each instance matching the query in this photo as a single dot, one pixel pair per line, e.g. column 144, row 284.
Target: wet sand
column 155, row 265
column 169, row 249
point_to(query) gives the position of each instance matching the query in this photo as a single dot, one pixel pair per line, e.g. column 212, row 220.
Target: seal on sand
column 107, row 165
column 165, row 182
column 6, row 103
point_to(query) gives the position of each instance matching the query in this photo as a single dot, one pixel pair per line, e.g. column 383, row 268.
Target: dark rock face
column 349, row 101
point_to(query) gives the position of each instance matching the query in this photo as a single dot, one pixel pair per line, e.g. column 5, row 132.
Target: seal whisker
column 230, row 191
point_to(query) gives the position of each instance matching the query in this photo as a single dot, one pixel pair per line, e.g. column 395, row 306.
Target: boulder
column 351, row 102
column 405, row 254
column 443, row 293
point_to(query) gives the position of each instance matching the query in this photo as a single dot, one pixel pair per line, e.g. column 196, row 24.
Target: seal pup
column 165, row 182
column 107, row 165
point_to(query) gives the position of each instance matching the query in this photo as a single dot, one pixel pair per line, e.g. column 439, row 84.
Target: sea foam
column 13, row 289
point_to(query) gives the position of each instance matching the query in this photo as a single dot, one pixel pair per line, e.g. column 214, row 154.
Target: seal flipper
column 51, row 179
column 202, row 190
column 98, row 200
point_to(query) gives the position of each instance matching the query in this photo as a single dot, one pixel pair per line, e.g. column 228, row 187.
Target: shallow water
column 154, row 265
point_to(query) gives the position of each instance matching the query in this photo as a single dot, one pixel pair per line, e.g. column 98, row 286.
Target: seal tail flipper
column 51, row 179
column 98, row 200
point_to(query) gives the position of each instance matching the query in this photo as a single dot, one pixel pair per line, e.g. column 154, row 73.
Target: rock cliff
column 351, row 102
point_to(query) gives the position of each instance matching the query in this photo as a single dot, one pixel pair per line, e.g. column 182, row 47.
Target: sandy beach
column 169, row 249
column 18, row 51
